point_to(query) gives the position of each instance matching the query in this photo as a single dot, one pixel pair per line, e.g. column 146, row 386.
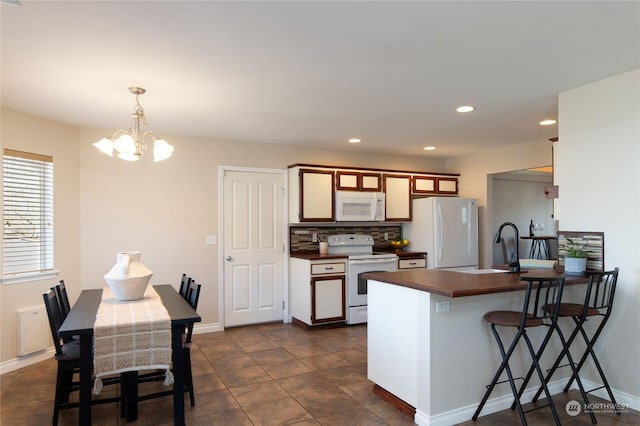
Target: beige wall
column 598, row 172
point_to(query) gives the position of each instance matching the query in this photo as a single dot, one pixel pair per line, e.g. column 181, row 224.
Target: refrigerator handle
column 440, row 240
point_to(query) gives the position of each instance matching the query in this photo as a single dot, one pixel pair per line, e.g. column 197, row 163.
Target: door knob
column 228, row 258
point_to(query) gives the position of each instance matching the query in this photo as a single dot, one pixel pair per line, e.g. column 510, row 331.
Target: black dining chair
column 68, row 357
column 194, row 297
column 184, row 286
column 63, row 298
column 63, row 303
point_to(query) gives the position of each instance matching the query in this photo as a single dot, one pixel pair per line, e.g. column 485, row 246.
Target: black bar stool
column 597, row 303
column 540, row 291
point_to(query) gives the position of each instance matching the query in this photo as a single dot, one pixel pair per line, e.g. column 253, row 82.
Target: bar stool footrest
column 560, row 366
column 504, row 381
column 535, row 408
column 595, row 389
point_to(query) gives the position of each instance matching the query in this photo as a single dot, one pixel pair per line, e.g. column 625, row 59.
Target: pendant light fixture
column 130, row 144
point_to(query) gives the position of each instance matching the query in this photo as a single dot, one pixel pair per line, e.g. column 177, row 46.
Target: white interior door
column 253, row 247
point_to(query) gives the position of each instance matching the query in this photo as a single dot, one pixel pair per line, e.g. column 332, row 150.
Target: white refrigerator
column 447, row 229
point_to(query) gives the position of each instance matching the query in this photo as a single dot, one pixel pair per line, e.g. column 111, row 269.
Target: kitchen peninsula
column 429, row 347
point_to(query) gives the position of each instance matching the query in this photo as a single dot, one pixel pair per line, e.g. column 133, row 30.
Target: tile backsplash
column 301, row 237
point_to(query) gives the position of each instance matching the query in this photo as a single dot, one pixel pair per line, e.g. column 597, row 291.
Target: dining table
column 80, row 322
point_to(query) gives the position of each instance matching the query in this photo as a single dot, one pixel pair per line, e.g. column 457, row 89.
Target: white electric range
column 361, row 259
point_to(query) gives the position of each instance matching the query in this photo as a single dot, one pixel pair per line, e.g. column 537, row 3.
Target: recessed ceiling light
column 354, row 140
column 547, row 122
column 429, row 148
column 465, row 108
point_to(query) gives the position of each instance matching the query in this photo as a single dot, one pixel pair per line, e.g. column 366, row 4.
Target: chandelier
column 130, row 143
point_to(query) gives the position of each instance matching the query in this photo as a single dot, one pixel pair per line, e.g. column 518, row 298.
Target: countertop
column 315, row 255
column 458, row 284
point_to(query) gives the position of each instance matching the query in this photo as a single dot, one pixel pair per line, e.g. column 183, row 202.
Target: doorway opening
column 519, row 197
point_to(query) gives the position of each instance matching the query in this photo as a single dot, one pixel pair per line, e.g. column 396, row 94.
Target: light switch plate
column 211, row 240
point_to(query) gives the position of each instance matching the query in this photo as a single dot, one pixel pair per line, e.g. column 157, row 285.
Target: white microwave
column 354, row 206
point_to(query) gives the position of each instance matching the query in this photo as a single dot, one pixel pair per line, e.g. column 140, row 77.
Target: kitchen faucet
column 515, row 263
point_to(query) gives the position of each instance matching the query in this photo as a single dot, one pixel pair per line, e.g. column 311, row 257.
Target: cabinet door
column 447, row 185
column 398, row 197
column 317, row 195
column 328, row 299
column 370, row 182
column 348, row 181
column 424, row 184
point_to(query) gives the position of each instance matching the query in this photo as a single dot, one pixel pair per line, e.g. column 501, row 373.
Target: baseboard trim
column 399, row 404
column 463, row 414
column 25, row 361
column 207, row 328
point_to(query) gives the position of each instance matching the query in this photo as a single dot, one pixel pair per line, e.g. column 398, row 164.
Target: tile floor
column 269, row 374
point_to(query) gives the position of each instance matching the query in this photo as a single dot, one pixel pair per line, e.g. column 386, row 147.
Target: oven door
column 357, row 286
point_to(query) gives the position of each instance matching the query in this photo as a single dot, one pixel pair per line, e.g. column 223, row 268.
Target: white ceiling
column 315, row 73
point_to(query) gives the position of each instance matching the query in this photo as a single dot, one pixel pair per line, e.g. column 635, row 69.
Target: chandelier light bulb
column 125, row 144
column 105, row 145
column 161, row 150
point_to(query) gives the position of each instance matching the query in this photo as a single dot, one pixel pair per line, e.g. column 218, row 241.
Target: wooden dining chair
column 184, row 286
column 63, row 298
column 63, row 303
column 194, row 297
column 68, row 356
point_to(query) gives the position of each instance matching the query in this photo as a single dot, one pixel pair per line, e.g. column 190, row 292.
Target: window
column 27, row 190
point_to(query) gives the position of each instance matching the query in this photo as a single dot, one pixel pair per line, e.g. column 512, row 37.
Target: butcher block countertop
column 459, row 284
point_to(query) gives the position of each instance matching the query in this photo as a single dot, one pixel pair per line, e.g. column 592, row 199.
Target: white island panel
column 440, row 362
column 398, row 321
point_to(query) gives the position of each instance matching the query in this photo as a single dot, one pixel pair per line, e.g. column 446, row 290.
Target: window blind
column 28, row 213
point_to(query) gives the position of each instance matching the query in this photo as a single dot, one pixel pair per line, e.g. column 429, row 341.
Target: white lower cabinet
column 318, row 290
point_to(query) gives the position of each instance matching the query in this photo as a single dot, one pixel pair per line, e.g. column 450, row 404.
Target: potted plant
column 575, row 258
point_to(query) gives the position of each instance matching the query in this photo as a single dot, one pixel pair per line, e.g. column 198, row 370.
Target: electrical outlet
column 314, row 237
column 442, row 306
column 386, row 235
column 301, row 232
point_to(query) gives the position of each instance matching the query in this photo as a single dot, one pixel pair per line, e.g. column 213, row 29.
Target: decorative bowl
column 399, row 244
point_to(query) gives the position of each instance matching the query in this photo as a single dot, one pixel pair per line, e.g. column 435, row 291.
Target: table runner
column 131, row 335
